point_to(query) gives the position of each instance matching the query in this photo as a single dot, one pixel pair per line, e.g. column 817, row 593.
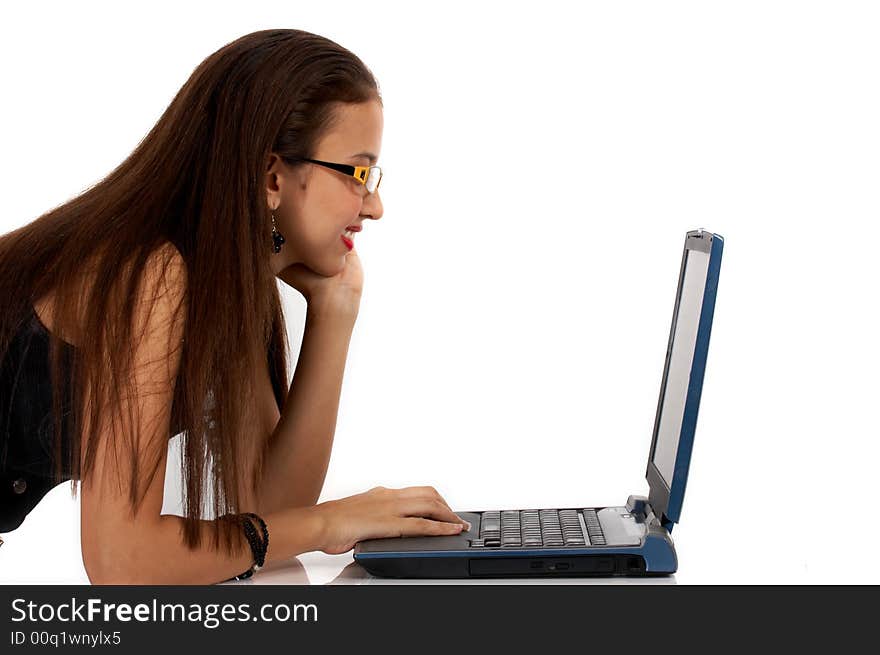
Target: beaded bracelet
column 265, row 542
column 258, row 546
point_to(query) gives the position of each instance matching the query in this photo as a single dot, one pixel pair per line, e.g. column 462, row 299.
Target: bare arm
column 121, row 547
column 299, row 448
column 153, row 552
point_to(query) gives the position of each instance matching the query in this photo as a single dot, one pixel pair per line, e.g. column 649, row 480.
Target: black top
column 26, row 422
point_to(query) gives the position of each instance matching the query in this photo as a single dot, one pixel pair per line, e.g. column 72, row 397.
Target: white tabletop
column 319, row 568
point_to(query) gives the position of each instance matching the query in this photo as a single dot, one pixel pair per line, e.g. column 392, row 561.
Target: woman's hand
column 382, row 512
column 340, row 293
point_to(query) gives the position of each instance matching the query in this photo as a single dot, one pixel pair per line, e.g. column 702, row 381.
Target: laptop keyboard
column 539, row 527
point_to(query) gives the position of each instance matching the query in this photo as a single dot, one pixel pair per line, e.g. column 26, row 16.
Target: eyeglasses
column 369, row 176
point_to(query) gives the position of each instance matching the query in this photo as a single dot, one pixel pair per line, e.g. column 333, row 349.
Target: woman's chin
column 330, row 268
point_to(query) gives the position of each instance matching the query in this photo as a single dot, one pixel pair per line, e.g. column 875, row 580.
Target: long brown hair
column 197, row 181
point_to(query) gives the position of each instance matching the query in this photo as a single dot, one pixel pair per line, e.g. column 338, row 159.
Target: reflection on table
column 319, row 568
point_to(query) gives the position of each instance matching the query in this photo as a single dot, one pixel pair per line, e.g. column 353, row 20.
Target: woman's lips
column 348, row 241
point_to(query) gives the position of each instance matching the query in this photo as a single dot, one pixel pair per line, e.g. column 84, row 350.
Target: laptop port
column 635, row 564
column 563, row 566
column 537, row 564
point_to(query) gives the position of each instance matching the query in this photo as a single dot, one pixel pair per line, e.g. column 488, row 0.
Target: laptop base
column 652, row 555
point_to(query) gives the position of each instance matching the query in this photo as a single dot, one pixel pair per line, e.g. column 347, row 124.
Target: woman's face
column 315, row 205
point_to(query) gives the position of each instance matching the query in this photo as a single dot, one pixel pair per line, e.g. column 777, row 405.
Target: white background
column 513, row 325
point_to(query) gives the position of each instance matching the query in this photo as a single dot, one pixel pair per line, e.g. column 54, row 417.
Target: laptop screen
column 680, row 362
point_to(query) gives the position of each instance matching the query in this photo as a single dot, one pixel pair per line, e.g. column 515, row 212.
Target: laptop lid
column 682, row 383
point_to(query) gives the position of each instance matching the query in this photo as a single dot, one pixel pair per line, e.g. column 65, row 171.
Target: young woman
column 147, row 307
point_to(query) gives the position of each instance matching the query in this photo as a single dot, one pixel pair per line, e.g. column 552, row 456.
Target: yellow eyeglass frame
column 360, row 173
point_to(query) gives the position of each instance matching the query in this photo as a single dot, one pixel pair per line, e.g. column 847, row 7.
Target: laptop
column 630, row 540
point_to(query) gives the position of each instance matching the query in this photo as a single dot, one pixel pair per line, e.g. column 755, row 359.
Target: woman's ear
column 274, row 180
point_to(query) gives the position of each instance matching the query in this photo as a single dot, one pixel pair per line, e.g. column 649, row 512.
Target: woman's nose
column 373, row 206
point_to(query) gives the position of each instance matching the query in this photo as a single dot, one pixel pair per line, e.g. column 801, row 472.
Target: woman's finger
column 414, row 526
column 430, row 508
column 424, row 492
column 430, row 493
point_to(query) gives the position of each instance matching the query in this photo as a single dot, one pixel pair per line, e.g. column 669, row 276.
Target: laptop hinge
column 641, row 505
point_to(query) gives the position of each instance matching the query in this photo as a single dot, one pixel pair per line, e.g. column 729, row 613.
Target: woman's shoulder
column 166, row 269
column 167, row 255
column 165, row 263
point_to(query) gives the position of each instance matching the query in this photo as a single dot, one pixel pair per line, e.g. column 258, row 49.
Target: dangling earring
column 277, row 237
